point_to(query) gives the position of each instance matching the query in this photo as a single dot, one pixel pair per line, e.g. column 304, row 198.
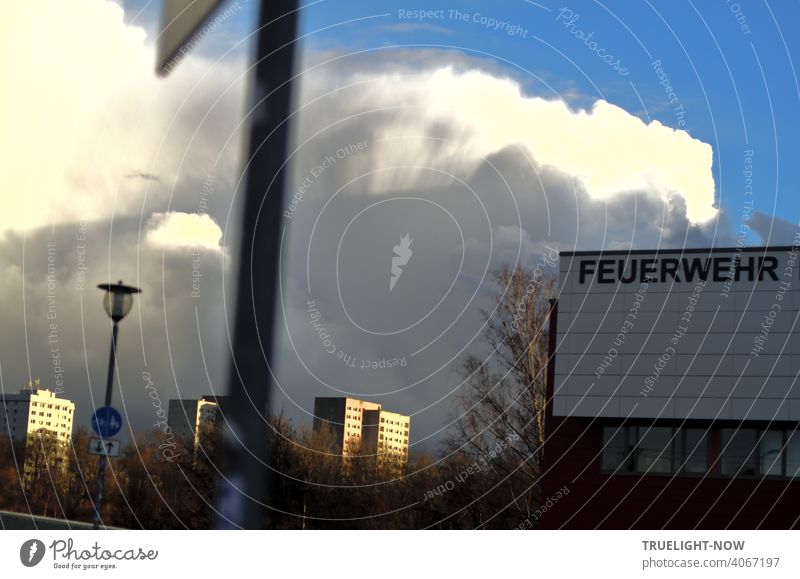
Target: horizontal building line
column 600, row 253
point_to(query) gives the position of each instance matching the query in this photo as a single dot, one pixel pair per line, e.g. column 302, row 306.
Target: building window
column 738, row 448
column 693, row 456
column 771, row 451
column 654, row 449
column 617, row 449
column 747, row 451
column 793, row 453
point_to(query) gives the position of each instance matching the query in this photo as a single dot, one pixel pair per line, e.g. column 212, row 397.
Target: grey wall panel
column 729, row 346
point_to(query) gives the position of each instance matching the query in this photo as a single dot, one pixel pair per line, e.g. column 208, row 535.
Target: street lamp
column 117, row 301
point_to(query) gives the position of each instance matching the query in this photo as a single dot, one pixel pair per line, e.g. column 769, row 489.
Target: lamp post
column 117, row 301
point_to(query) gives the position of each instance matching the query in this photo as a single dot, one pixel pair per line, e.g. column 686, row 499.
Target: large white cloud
column 608, row 149
column 83, row 114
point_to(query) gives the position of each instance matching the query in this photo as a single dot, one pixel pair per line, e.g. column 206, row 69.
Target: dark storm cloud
column 350, row 208
column 60, row 331
column 773, row 230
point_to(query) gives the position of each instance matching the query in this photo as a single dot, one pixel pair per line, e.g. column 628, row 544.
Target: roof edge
column 764, row 249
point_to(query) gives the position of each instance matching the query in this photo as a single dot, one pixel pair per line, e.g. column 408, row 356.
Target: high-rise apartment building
column 385, row 433
column 189, row 417
column 35, row 409
column 361, row 427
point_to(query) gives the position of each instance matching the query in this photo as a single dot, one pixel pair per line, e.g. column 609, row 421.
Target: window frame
column 713, row 454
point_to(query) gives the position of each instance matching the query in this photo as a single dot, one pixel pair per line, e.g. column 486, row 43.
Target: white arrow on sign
column 104, row 446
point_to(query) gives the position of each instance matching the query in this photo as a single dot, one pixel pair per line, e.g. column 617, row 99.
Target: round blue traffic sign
column 106, row 421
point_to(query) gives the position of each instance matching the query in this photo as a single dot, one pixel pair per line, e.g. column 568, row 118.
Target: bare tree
column 500, row 422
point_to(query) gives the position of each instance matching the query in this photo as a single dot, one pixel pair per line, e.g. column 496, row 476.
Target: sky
column 483, row 133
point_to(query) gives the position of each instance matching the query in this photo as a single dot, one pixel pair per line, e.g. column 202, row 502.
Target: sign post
column 106, row 421
column 243, row 487
column 241, row 494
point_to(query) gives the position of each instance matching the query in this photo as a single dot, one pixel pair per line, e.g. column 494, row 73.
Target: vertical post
column 243, row 488
column 101, row 467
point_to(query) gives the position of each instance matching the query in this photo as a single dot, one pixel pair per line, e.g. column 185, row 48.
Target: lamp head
column 118, row 299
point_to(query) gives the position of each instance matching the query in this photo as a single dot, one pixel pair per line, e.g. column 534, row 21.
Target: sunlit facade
column 36, row 410
column 361, row 427
column 188, row 418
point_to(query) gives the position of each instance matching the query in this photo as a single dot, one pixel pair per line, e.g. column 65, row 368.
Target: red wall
column 623, row 501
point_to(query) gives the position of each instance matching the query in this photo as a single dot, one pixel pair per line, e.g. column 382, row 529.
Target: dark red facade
column 597, row 499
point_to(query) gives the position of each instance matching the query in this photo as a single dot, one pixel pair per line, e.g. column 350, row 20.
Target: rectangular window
column 739, row 452
column 771, row 452
column 617, row 450
column 793, row 453
column 694, row 455
column 654, row 450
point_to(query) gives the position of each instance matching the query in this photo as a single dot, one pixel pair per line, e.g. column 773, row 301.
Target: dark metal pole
column 101, row 467
column 243, row 490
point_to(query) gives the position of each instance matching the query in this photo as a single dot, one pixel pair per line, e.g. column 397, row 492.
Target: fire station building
column 673, row 396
